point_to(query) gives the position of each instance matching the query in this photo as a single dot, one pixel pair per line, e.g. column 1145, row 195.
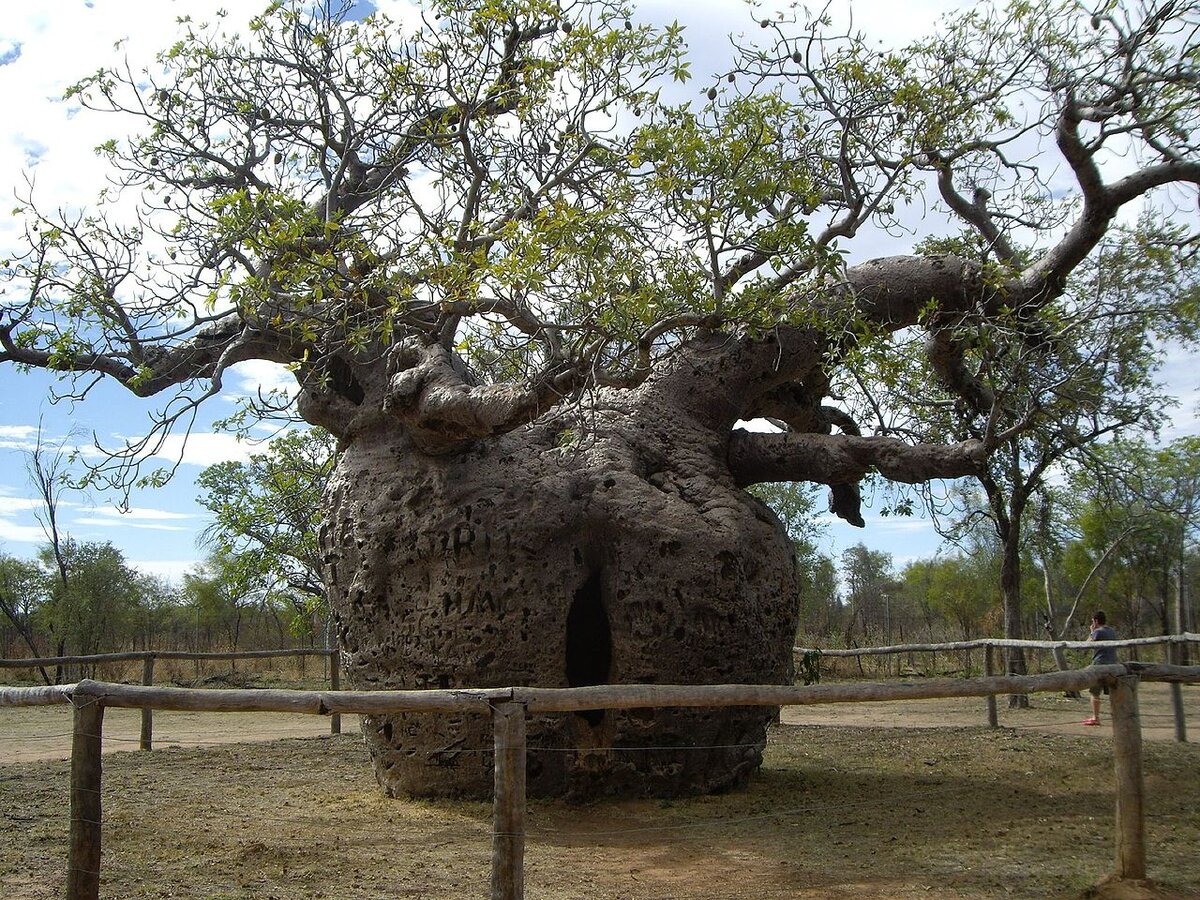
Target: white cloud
column 1182, row 375
column 17, row 523
column 136, row 517
column 205, row 449
column 60, row 43
column 46, row 47
column 902, row 525
column 261, row 376
column 111, row 513
column 22, row 433
column 106, row 522
column 899, row 23
column 756, row 425
column 24, row 439
column 171, row 569
column 707, row 22
column 899, row 525
column 21, row 534
column 402, row 12
column 11, row 505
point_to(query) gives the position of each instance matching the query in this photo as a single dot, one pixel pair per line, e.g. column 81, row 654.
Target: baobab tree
column 533, row 301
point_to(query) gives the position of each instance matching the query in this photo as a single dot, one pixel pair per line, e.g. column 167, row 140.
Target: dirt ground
column 867, row 800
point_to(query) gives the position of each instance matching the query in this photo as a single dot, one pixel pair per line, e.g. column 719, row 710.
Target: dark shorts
column 1097, row 691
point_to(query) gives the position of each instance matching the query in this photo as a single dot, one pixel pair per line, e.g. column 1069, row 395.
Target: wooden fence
column 989, row 645
column 148, row 657
column 509, row 707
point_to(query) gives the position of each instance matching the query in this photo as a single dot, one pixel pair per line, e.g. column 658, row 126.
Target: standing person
column 1101, row 656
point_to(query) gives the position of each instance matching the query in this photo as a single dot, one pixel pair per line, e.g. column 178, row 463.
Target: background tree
column 1089, row 373
column 49, row 475
column 822, row 613
column 268, row 513
column 92, row 597
column 532, row 301
column 157, row 602
column 871, row 591
column 959, row 590
column 1174, row 492
column 1153, row 494
column 78, row 598
column 107, row 606
column 22, row 591
column 229, row 591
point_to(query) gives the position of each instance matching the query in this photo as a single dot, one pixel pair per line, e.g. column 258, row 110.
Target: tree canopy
column 455, row 226
column 267, row 515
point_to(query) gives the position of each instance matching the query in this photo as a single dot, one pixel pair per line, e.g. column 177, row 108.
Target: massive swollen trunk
column 606, row 545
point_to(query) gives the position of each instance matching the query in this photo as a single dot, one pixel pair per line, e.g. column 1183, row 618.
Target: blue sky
column 47, row 44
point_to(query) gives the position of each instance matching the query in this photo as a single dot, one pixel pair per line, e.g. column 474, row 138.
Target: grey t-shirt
column 1104, row 656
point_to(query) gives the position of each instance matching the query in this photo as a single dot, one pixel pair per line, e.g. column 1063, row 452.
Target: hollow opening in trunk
column 589, row 642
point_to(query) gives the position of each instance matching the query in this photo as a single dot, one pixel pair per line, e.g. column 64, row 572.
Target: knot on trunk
column 432, row 392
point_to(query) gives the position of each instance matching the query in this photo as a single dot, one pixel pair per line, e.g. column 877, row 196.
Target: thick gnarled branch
column 840, row 459
column 432, row 394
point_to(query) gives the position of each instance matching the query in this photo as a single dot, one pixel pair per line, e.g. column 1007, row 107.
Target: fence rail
column 1186, row 637
column 148, row 657
column 130, row 655
column 989, row 645
column 510, row 706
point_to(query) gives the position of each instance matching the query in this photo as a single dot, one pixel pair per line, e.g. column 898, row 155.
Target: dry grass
column 837, row 811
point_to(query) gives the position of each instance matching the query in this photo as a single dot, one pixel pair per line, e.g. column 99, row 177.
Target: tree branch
column 430, row 392
column 839, row 459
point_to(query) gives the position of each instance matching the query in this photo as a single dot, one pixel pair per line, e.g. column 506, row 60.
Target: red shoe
column 1090, row 722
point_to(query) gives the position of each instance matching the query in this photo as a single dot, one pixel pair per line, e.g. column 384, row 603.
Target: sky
column 45, row 45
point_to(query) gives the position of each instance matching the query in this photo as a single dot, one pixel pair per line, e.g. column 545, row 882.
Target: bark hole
column 343, row 382
column 589, row 642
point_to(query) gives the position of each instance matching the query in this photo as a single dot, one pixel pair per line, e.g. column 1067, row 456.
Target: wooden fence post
column 147, row 737
column 83, row 855
column 1130, row 784
column 508, row 811
column 989, row 669
column 335, row 684
column 1173, row 655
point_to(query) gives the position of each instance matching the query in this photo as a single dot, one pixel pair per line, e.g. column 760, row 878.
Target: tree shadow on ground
column 876, row 812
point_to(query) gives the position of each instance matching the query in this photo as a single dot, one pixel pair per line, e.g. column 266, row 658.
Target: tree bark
column 612, row 545
column 1010, row 590
column 1181, row 616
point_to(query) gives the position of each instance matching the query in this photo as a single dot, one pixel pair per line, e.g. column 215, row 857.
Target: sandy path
column 1050, row 713
column 28, row 734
